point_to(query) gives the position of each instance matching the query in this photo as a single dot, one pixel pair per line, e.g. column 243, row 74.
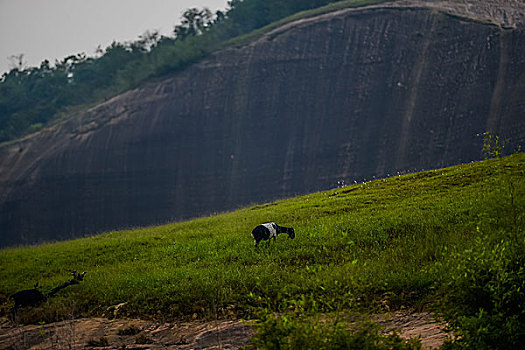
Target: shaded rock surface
column 350, row 95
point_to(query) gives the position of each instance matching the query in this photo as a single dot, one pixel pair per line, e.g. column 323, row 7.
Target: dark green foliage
column 483, row 299
column 31, row 98
column 194, row 22
column 308, row 332
column 493, row 145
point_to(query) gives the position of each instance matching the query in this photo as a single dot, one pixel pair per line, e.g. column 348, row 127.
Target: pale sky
column 54, row 29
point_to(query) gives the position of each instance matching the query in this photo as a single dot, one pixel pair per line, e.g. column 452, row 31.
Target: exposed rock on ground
column 100, row 333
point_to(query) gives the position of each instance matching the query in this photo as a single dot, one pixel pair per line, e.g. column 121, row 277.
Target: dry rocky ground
column 103, row 333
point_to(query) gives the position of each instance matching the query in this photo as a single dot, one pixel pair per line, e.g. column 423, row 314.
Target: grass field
column 384, row 244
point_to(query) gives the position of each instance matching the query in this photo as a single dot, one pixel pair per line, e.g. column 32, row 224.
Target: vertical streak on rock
column 415, row 79
column 288, row 168
column 350, row 149
column 238, row 112
column 496, row 105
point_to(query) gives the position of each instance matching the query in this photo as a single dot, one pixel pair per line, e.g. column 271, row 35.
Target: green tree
column 31, row 97
column 193, row 22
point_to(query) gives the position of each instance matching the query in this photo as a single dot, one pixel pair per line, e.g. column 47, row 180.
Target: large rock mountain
column 343, row 96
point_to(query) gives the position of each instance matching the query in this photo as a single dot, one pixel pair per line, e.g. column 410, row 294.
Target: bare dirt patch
column 414, row 325
column 102, row 333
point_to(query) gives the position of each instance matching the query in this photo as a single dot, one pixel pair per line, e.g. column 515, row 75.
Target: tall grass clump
column 484, row 300
column 286, row 332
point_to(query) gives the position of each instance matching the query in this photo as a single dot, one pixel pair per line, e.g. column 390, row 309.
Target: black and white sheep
column 265, row 232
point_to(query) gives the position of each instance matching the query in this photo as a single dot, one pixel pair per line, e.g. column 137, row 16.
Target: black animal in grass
column 28, row 297
column 34, row 297
column 265, row 232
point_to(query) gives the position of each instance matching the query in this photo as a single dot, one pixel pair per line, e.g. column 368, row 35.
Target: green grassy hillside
column 401, row 241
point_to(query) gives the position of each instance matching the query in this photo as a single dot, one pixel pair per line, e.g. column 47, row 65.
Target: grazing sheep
column 270, row 230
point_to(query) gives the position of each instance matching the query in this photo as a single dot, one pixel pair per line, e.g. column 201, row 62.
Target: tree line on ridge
column 32, row 97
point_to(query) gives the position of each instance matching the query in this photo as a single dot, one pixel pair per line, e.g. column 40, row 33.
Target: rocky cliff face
column 345, row 96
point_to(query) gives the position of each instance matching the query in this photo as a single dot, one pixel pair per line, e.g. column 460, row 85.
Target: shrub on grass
column 303, row 332
column 484, row 300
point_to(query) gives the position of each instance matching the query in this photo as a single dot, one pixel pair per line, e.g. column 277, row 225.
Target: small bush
column 484, row 300
column 302, row 332
column 493, row 145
